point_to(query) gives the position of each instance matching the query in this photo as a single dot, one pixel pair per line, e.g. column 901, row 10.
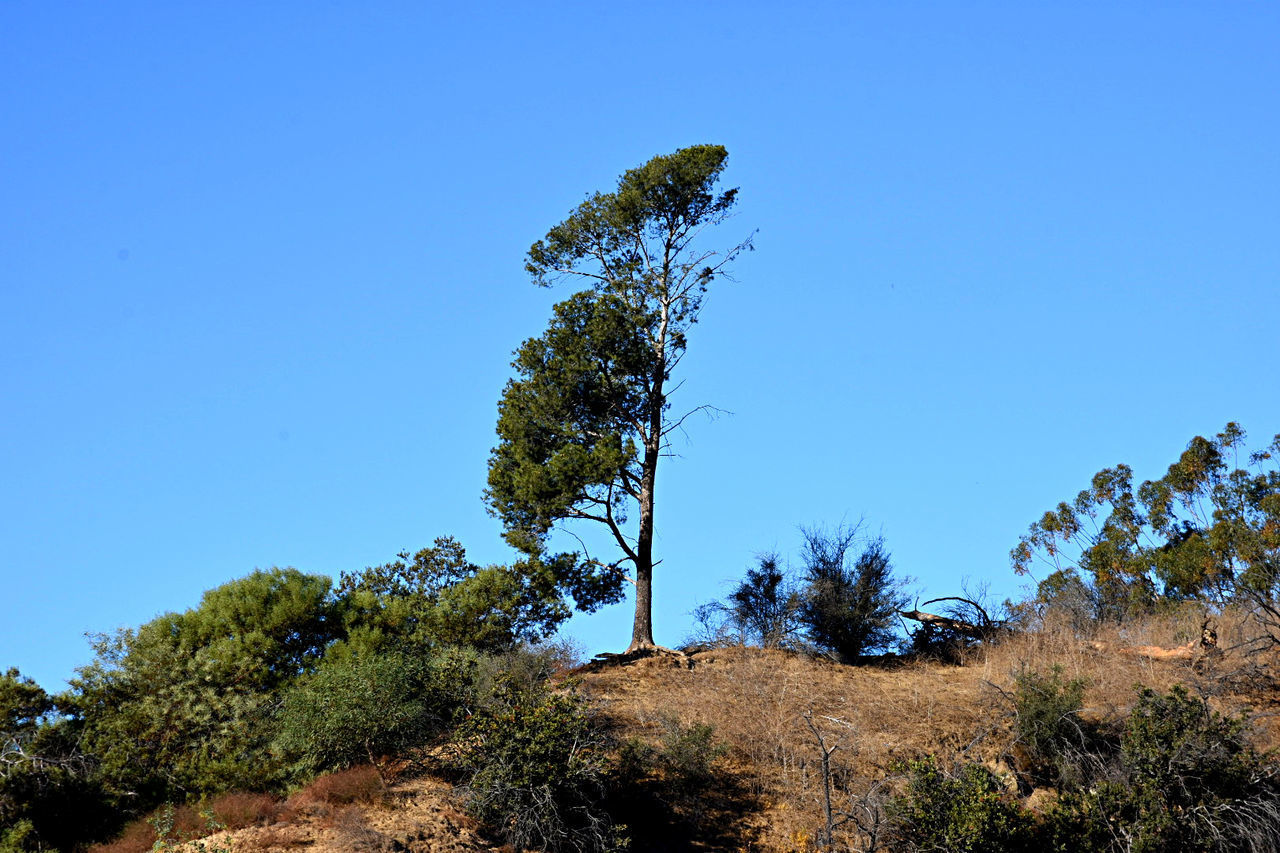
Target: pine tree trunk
column 642, row 627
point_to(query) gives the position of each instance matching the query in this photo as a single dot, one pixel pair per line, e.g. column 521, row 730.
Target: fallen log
column 939, row 621
column 980, row 627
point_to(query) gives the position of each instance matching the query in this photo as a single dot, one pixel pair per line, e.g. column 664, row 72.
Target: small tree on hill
column 765, row 606
column 848, row 606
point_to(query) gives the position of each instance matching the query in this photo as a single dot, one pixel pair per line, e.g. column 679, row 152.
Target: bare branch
column 713, row 410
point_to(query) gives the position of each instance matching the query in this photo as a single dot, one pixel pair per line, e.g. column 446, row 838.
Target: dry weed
column 353, row 832
column 361, row 784
column 138, row 837
column 238, row 809
column 756, row 700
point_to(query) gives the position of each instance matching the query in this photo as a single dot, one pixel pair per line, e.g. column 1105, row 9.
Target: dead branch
column 978, row 630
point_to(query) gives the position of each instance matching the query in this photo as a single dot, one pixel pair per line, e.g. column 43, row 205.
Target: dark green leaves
column 566, row 425
column 665, row 200
column 183, row 704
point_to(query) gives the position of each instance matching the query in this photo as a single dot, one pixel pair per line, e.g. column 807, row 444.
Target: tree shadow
column 666, row 808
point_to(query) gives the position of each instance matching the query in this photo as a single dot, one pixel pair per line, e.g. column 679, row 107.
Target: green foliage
column 436, row 597
column 966, row 811
column 182, row 706
column 763, row 610
column 1205, row 529
column 523, row 669
column 763, row 607
column 536, row 765
column 1048, row 724
column 848, row 609
column 584, row 422
column 1186, row 780
column 184, row 829
column 361, row 706
column 18, row 836
column 43, row 774
column 688, row 755
column 566, row 429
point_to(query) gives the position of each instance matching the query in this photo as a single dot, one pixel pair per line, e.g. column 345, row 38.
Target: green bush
column 688, row 753
column 182, row 705
column 536, row 767
column 359, row 706
column 1049, row 726
column 1186, row 780
column 966, row 811
column 765, row 607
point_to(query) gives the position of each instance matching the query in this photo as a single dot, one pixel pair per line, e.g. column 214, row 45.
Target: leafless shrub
column 863, row 814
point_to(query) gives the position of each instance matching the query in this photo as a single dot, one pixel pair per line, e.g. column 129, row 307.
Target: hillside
column 766, row 791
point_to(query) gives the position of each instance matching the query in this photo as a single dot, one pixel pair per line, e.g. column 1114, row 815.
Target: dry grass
column 757, row 699
column 137, row 837
column 880, row 714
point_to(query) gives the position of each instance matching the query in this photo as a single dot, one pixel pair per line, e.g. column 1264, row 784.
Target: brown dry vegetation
column 347, row 811
column 884, row 712
column 757, row 700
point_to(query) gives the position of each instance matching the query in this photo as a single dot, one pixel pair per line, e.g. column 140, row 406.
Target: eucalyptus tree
column 583, row 425
column 1208, row 529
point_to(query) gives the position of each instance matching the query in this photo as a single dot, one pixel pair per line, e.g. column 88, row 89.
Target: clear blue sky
column 261, row 269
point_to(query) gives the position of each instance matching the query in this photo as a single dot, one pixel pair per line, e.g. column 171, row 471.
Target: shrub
column 1048, row 724
column 688, row 753
column 1187, row 780
column 354, row 785
column 764, row 608
column 967, row 811
column 523, row 668
column 848, row 610
column 138, row 836
column 536, row 764
column 182, row 705
column 238, row 809
column 359, row 706
column 165, row 829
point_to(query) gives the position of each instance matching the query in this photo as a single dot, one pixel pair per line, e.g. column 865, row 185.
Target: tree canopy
column 436, row 597
column 182, row 705
column 582, row 426
column 1206, row 529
